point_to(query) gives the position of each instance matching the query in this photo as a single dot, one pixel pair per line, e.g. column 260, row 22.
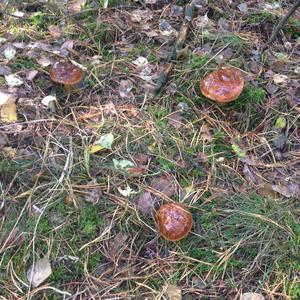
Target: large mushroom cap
column 66, row 73
column 223, row 85
column 174, row 221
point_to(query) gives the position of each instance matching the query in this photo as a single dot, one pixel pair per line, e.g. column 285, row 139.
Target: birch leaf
column 39, row 272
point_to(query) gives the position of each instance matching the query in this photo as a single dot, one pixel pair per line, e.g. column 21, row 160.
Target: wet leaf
column 280, row 123
column 252, row 296
column 173, row 292
column 39, row 272
column 105, row 142
column 145, row 204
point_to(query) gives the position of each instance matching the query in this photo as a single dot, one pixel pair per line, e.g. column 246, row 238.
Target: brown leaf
column 206, row 133
column 31, row 74
column 141, row 158
column 76, row 5
column 145, row 204
column 116, row 244
column 3, row 140
column 164, row 184
column 137, row 170
column 287, row 190
column 55, row 31
column 175, row 119
column 15, row 238
column 94, row 194
column 173, row 292
column 252, row 296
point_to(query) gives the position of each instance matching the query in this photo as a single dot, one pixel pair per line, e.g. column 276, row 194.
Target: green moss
column 260, row 17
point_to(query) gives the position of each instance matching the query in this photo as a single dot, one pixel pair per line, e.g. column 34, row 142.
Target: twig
column 282, row 22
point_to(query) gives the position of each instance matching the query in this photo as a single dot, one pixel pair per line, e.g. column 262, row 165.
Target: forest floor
column 80, row 182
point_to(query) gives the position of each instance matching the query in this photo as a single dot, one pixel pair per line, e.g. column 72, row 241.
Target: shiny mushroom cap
column 174, row 221
column 66, row 73
column 223, row 85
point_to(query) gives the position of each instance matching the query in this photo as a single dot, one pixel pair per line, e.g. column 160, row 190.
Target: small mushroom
column 66, row 73
column 223, row 85
column 174, row 221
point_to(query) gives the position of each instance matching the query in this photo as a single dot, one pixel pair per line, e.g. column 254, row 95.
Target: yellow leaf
column 96, row 148
column 9, row 112
column 10, row 152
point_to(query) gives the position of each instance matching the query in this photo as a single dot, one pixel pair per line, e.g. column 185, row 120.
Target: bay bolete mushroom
column 174, row 221
column 223, row 85
column 66, row 73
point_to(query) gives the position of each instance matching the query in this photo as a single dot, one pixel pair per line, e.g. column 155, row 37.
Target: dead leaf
column 31, row 74
column 15, row 238
column 175, row 119
column 173, row 292
column 287, row 190
column 76, row 5
column 243, row 7
column 145, row 204
column 5, row 70
column 280, row 79
column 137, row 170
column 3, row 140
column 206, row 133
column 252, row 296
column 55, row 31
column 9, row 112
column 116, row 244
column 164, row 184
column 94, row 194
column 125, row 88
column 39, row 271
column 141, row 158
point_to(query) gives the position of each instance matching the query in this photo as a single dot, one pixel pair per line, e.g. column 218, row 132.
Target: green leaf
column 238, row 151
column 280, row 123
column 105, row 142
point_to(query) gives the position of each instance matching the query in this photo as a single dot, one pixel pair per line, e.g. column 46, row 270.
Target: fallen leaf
column 13, row 80
column 122, row 164
column 252, row 296
column 206, row 133
column 105, row 142
column 10, row 52
column 9, row 112
column 173, row 292
column 145, row 204
column 15, row 238
column 39, row 271
column 137, row 170
column 280, row 123
column 5, row 70
column 48, row 99
column 140, row 61
column 31, row 74
column 280, row 79
column 243, row 7
column 116, row 244
column 128, row 191
column 6, row 97
column 45, row 61
column 10, row 152
column 94, row 193
column 166, row 28
column 271, row 88
column 175, row 120
column 288, row 190
column 164, row 184
column 3, row 140
column 55, row 31
column 125, row 88
column 76, row 5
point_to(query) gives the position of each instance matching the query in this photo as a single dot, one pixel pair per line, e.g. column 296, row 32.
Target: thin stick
column 282, row 22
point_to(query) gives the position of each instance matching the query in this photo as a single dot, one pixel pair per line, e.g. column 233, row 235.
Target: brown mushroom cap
column 223, row 85
column 66, row 73
column 174, row 221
